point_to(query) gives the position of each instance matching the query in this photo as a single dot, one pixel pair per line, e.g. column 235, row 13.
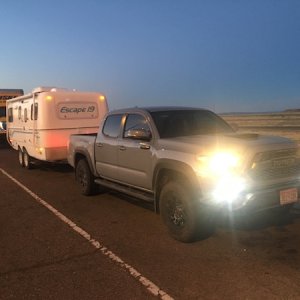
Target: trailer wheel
column 27, row 160
column 85, row 178
column 21, row 157
column 184, row 216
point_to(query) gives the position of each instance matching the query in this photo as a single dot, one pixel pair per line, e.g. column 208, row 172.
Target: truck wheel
column 21, row 157
column 85, row 178
column 27, row 160
column 184, row 217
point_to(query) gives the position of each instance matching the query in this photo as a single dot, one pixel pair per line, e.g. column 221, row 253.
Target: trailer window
column 25, row 115
column 34, row 111
column 10, row 115
column 19, row 112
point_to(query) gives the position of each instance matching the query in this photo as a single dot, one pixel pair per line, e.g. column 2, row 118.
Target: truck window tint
column 112, row 126
column 188, row 122
column 135, row 122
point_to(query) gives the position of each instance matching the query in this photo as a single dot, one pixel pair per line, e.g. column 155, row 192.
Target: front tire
column 183, row 215
column 85, row 178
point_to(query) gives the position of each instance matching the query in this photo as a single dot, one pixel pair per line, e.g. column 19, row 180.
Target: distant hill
column 251, row 113
column 285, row 123
column 292, row 110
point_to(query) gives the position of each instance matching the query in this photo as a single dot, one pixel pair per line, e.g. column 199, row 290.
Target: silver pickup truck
column 189, row 162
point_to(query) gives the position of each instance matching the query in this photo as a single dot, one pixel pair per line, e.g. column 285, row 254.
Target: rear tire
column 185, row 218
column 85, row 178
column 27, row 160
column 21, row 157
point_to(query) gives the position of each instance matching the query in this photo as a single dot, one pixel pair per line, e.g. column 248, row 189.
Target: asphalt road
column 57, row 244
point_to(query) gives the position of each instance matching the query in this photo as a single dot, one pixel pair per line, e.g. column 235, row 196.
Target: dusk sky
column 228, row 56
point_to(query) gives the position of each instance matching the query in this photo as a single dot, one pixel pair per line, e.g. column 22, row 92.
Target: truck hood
column 238, row 142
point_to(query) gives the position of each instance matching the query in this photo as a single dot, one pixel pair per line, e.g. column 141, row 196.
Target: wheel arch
column 169, row 170
column 82, row 155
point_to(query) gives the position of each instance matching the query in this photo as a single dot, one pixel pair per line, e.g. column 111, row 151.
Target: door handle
column 99, row 144
column 144, row 146
column 122, row 148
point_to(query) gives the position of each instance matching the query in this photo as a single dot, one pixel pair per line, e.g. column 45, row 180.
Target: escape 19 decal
column 77, row 110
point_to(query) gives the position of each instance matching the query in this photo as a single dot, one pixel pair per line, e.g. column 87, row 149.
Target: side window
column 136, row 122
column 34, row 111
column 25, row 115
column 10, row 115
column 19, row 112
column 112, row 125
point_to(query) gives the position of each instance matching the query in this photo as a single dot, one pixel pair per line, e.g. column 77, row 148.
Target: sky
column 226, row 55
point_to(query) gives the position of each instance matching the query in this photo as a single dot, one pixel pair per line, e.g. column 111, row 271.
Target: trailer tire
column 27, row 160
column 21, row 157
column 185, row 218
column 85, row 178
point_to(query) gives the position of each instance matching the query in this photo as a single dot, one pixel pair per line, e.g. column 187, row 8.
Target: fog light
column 228, row 189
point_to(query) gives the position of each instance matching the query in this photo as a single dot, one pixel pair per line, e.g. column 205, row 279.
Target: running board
column 126, row 190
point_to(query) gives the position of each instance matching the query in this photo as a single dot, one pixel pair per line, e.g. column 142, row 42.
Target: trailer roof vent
column 41, row 89
column 58, row 89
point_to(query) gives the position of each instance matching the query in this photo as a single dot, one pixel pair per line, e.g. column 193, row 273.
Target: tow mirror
column 138, row 134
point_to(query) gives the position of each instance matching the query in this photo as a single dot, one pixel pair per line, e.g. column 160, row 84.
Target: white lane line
column 148, row 284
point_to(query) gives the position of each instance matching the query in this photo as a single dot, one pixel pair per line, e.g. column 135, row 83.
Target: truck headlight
column 217, row 164
column 222, row 174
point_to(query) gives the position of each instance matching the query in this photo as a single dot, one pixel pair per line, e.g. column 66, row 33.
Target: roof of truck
column 155, row 108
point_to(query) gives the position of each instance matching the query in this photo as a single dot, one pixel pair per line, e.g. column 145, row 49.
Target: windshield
column 174, row 123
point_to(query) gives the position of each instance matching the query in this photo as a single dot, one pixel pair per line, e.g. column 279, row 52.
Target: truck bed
column 84, row 142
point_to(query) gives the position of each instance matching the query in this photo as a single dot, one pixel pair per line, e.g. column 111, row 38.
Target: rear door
column 107, row 147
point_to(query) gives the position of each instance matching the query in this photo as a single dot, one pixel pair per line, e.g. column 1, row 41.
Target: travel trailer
column 39, row 124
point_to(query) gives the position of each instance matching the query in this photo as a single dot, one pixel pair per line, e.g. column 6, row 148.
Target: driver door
column 135, row 153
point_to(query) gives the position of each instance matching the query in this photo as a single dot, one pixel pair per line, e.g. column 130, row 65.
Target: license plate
column 288, row 196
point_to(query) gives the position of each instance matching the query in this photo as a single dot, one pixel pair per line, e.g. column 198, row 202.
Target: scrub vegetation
column 286, row 124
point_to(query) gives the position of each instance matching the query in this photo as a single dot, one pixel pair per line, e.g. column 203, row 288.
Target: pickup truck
column 189, row 163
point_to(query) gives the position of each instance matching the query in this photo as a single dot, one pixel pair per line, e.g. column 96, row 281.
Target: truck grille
column 275, row 165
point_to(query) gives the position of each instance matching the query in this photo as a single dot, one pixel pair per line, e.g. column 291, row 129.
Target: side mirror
column 138, row 134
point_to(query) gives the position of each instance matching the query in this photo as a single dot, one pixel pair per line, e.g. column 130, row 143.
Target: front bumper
column 264, row 198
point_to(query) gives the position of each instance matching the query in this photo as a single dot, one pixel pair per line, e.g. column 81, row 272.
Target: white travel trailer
column 39, row 124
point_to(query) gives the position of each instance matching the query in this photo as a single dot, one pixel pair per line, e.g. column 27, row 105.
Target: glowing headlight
column 221, row 162
column 228, row 189
column 218, row 164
